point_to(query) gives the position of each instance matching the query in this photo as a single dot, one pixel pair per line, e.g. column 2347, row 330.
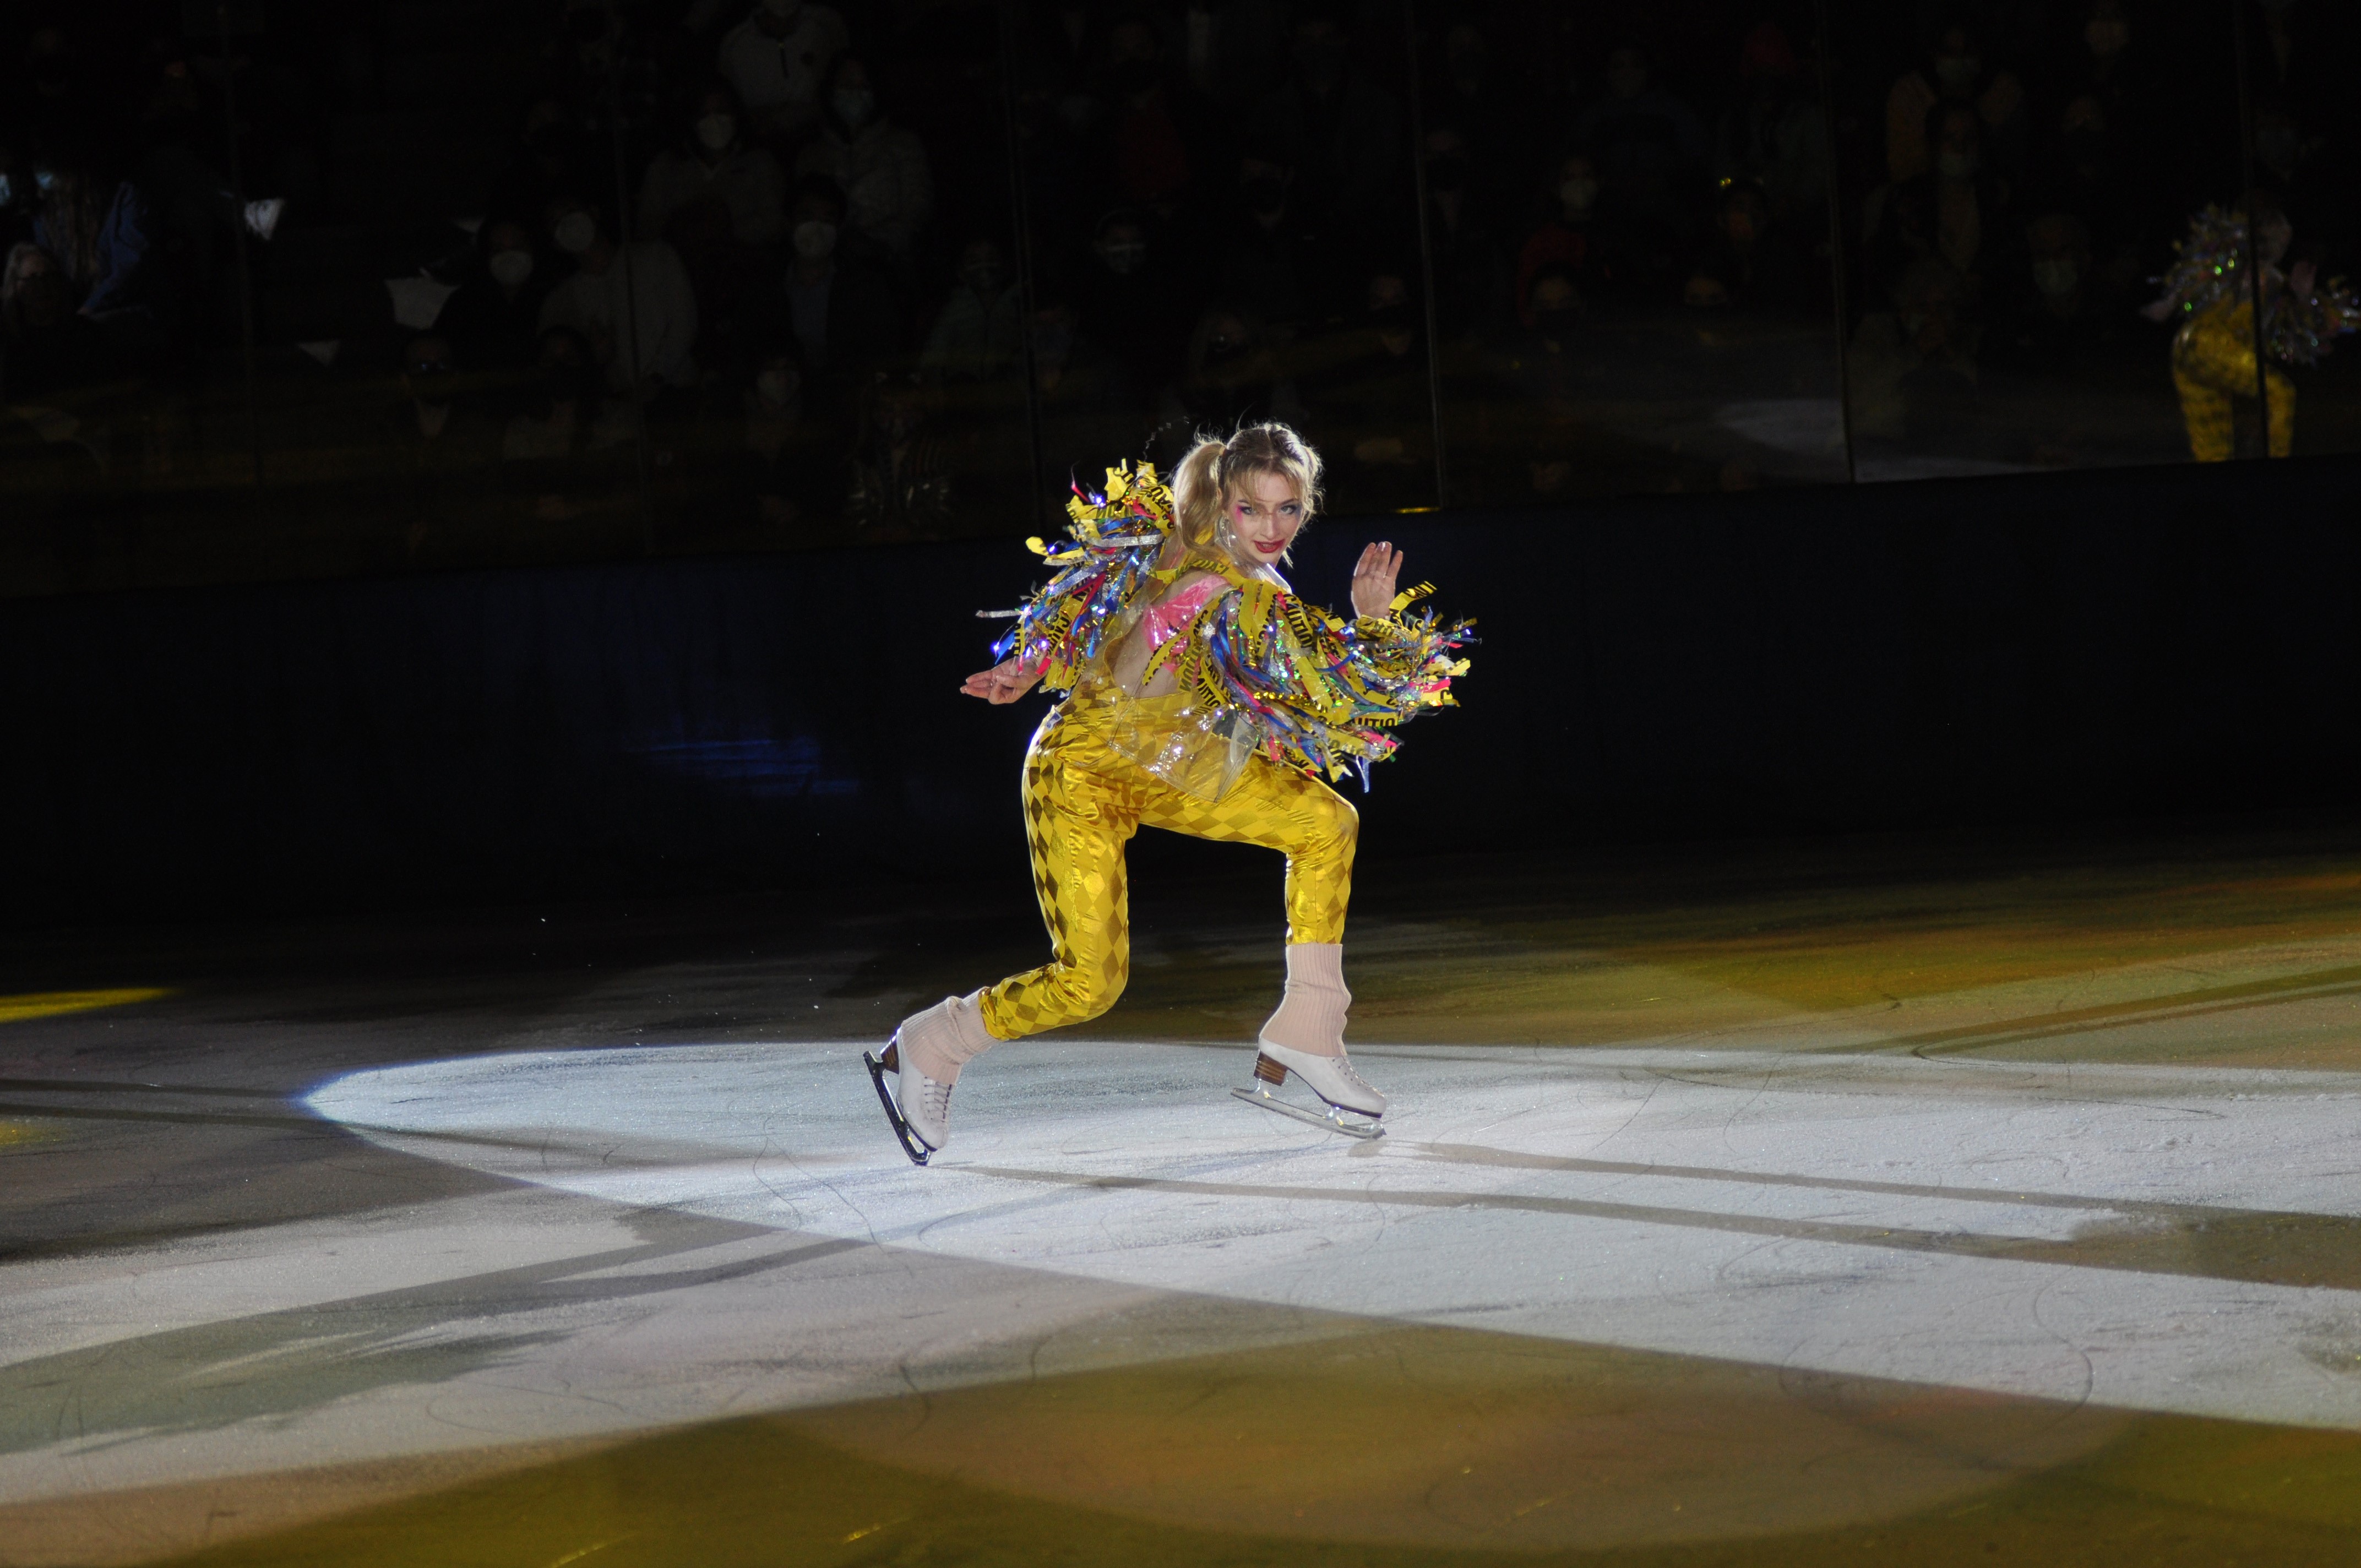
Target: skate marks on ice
column 2176, row 1240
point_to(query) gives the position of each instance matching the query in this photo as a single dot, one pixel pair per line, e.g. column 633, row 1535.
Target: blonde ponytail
column 1214, row 469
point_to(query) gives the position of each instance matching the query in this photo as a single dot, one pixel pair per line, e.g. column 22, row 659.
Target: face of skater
column 1266, row 514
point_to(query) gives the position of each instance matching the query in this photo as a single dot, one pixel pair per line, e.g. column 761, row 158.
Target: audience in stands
column 839, row 308
column 881, row 167
column 834, row 238
column 711, row 163
column 492, row 321
column 777, row 58
column 632, row 304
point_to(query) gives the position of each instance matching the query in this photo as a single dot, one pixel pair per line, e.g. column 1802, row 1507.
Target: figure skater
column 1203, row 697
column 2210, row 288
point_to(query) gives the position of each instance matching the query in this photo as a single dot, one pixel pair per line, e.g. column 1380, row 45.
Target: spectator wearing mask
column 559, row 458
column 785, row 476
column 1272, row 254
column 2056, row 318
column 1650, row 149
column 99, row 232
column 1064, row 43
column 776, row 61
column 1470, row 268
column 1370, row 388
column 2092, row 174
column 711, row 163
column 1572, row 241
column 56, row 84
column 1955, row 71
column 2102, row 63
column 1147, row 151
column 1231, row 376
column 634, row 305
column 553, row 159
column 493, row 322
column 1776, row 138
column 839, row 310
column 1335, row 129
column 445, row 446
column 1747, row 261
column 1128, row 303
column 1488, row 115
column 1229, row 52
column 881, row 167
column 16, row 194
column 1089, row 407
column 901, row 481
column 45, row 346
column 1913, row 367
column 1540, row 366
column 2315, row 191
column 976, row 334
column 1947, row 212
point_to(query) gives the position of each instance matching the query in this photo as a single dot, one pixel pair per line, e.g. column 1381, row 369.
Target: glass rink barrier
column 295, row 291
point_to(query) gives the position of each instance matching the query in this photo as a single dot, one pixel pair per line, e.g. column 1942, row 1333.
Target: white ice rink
column 671, row 1234
column 1864, row 1215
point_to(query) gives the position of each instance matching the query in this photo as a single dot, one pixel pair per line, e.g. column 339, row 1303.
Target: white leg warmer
column 946, row 1036
column 1311, row 1016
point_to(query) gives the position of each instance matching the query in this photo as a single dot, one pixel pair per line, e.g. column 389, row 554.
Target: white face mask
column 510, row 268
column 1578, row 193
column 814, row 240
column 1956, row 165
column 2056, row 278
column 718, row 131
column 576, row 232
column 854, row 106
column 1958, row 71
column 777, row 386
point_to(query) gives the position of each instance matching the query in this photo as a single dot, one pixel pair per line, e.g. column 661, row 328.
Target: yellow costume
column 1262, row 694
column 2214, row 371
column 2210, row 288
column 1269, row 692
column 1083, row 801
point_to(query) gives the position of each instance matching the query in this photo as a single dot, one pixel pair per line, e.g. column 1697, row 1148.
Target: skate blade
column 912, row 1145
column 1334, row 1121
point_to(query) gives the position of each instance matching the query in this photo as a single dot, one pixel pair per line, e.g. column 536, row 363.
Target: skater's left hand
column 1373, row 578
column 1005, row 681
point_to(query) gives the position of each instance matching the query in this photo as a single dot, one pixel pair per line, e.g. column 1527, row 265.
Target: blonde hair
column 1215, row 469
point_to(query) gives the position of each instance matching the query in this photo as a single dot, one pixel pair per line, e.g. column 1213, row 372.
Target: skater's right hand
column 1005, row 681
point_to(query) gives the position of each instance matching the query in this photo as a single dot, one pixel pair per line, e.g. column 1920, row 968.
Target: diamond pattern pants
column 2214, row 371
column 1083, row 803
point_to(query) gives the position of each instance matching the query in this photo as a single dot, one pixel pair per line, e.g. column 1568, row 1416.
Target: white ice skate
column 919, row 1107
column 1344, row 1093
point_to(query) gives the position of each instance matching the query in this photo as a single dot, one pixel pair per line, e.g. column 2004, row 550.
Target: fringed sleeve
column 1105, row 568
column 1324, row 694
column 2209, row 270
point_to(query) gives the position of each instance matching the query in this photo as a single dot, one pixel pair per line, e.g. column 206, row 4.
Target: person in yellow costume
column 2210, row 287
column 1203, row 696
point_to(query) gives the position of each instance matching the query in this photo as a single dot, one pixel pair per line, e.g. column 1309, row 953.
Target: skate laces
column 935, row 1101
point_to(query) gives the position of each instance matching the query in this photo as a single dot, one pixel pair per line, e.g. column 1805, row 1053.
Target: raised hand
column 1373, row 578
column 1005, row 681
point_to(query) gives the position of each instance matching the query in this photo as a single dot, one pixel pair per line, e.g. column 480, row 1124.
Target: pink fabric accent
column 1164, row 620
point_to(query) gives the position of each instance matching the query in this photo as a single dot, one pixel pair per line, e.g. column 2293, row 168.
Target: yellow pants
column 2214, row 370
column 1083, row 804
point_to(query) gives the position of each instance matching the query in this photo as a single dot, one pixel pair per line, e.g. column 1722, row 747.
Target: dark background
column 2050, row 650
